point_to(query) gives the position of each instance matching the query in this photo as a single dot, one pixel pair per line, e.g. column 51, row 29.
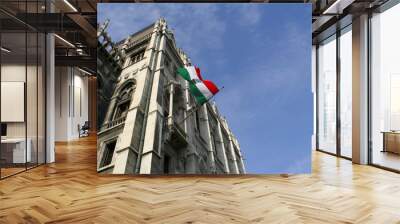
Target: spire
column 106, row 23
column 103, row 27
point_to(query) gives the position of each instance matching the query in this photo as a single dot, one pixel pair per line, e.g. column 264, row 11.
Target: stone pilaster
column 210, row 150
column 222, row 147
column 151, row 157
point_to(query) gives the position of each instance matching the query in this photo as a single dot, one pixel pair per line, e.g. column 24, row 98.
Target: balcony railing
column 177, row 136
column 113, row 123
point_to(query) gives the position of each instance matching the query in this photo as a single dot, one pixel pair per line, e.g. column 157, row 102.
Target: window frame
column 337, row 35
column 136, row 57
column 381, row 9
column 129, row 86
column 104, row 147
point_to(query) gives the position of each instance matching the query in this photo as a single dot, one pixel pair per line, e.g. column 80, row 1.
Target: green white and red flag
column 201, row 89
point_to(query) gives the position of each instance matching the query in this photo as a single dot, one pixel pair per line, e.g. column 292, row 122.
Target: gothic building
column 145, row 131
column 108, row 69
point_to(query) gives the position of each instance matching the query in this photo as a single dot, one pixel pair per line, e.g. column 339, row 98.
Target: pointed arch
column 124, row 97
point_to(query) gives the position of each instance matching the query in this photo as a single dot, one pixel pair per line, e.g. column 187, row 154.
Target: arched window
column 124, row 100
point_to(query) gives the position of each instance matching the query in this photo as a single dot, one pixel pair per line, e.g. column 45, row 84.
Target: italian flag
column 201, row 89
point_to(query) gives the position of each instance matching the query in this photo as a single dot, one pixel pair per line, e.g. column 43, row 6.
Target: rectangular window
column 122, row 110
column 213, row 129
column 160, row 90
column 136, row 57
column 167, row 160
column 166, row 103
column 385, row 88
column 214, row 144
column 327, row 95
column 346, row 92
column 225, row 141
column 158, row 135
column 197, row 120
column 175, row 71
column 108, row 153
column 166, row 62
column 395, row 102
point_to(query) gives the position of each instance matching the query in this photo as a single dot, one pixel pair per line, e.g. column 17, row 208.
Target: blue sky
column 261, row 54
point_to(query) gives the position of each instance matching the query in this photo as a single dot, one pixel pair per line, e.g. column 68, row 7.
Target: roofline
column 136, row 33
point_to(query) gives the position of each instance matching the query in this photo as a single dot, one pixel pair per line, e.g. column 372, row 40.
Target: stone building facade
column 145, row 130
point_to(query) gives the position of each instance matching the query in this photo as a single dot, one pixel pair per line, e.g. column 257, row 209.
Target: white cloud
column 200, row 22
column 263, row 85
column 298, row 37
column 249, row 14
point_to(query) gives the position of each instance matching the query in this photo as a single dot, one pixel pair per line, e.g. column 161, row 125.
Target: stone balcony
column 177, row 136
column 113, row 123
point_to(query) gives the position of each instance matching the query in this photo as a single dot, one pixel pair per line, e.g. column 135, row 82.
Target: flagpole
column 197, row 107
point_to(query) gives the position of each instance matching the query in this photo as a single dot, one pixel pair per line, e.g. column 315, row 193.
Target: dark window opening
column 214, row 143
column 157, row 135
column 166, row 163
column 122, row 110
column 197, row 120
column 124, row 100
column 175, row 71
column 108, row 153
column 160, row 90
column 167, row 63
column 136, row 57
